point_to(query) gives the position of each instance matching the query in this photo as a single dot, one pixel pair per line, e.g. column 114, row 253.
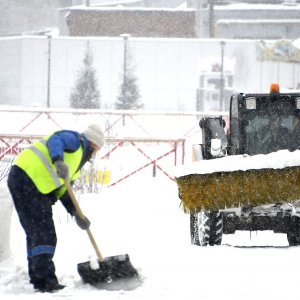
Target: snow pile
column 276, row 160
column 5, row 221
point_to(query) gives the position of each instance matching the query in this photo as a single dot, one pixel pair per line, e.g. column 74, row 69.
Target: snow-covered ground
column 141, row 216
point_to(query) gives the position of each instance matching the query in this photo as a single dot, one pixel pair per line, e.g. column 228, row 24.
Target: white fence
column 167, row 70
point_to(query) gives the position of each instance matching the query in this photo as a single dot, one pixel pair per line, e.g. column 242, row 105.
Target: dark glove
column 62, row 169
column 84, row 223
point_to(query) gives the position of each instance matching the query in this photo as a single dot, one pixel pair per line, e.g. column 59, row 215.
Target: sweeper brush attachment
column 110, row 269
column 221, row 190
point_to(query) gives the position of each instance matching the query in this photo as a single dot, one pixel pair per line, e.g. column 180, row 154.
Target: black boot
column 42, row 274
column 48, row 287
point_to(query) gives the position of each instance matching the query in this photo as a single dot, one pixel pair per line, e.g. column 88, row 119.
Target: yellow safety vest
column 36, row 162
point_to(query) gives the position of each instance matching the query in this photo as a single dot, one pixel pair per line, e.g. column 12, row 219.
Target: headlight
column 216, row 147
column 251, row 103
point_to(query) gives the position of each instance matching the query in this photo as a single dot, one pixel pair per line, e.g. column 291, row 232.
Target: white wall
column 10, row 70
column 167, row 69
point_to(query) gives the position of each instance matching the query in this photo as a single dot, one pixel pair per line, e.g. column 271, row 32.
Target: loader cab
column 264, row 123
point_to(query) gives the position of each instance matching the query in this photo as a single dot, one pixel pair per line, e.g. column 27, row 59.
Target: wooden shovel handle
column 81, row 216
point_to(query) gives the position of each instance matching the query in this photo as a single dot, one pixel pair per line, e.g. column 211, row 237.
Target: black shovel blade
column 111, row 269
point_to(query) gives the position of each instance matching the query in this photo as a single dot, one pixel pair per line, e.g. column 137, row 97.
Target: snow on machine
column 247, row 177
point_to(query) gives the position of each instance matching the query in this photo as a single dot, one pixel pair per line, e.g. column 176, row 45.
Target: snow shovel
column 106, row 270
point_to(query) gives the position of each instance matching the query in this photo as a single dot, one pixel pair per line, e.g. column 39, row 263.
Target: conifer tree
column 129, row 95
column 85, row 93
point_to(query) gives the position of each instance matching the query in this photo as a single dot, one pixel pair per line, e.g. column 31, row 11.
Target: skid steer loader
column 259, row 184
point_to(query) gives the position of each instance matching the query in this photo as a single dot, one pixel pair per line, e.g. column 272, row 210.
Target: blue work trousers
column 35, row 214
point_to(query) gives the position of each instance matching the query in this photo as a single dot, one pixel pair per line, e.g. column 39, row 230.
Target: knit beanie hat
column 95, row 135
